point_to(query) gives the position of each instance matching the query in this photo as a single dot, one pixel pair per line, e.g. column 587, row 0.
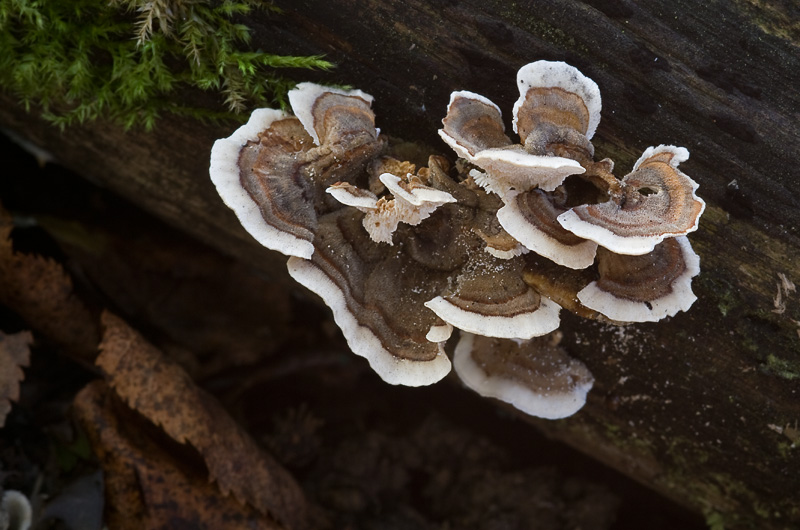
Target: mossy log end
column 703, row 407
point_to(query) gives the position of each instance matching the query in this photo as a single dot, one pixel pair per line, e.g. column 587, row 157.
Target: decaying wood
column 703, row 407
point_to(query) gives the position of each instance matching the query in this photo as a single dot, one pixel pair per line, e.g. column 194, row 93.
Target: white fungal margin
column 225, row 174
column 362, row 341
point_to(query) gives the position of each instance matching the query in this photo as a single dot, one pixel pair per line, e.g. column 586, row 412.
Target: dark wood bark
column 702, row 407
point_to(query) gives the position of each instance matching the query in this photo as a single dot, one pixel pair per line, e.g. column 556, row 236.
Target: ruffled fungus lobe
column 558, row 105
column 473, row 124
column 658, row 201
column 537, row 377
column 340, row 119
column 644, row 288
column 495, row 246
column 530, row 217
column 376, row 295
column 269, row 216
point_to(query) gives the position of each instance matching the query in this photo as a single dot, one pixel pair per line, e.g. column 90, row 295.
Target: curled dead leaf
column 162, row 392
column 41, row 292
column 14, row 354
column 147, row 487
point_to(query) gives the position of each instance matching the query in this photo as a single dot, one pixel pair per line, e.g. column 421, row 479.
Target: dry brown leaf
column 161, row 391
column 14, row 354
column 146, row 487
column 40, row 292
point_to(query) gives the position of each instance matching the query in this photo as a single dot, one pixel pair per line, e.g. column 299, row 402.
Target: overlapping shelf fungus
column 403, row 254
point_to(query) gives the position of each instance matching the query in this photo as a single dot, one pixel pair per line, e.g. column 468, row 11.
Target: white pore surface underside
column 524, row 326
column 365, row 201
column 439, row 333
column 524, row 171
column 455, row 146
column 514, row 222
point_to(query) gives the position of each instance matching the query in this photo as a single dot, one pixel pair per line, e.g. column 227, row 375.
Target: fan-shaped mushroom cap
column 413, row 203
column 644, row 288
column 510, row 253
column 472, row 124
column 658, row 201
column 558, row 94
column 376, row 294
column 530, row 217
column 489, row 298
column 362, row 340
column 537, row 377
column 273, row 213
column 329, row 114
column 342, row 124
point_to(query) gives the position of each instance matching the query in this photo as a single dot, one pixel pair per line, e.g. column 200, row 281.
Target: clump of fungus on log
column 495, row 246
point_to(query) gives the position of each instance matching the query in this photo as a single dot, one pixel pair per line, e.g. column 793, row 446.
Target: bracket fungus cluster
column 494, row 246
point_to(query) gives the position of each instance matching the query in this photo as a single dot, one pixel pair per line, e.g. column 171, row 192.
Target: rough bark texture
column 702, row 407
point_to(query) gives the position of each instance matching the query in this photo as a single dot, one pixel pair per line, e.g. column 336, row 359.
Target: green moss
column 539, row 27
column 789, row 370
column 127, row 60
column 750, row 344
column 611, row 429
column 625, row 440
column 727, row 298
column 685, row 453
column 774, row 18
column 738, row 506
column 714, row 520
column 726, row 302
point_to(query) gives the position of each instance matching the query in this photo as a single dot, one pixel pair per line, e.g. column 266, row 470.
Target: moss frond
column 125, row 60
